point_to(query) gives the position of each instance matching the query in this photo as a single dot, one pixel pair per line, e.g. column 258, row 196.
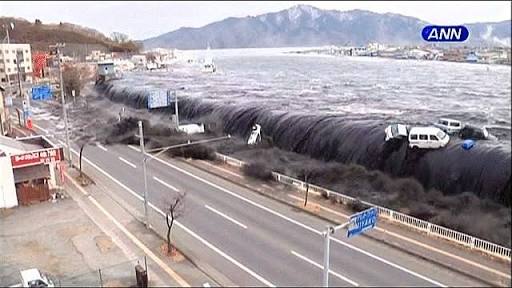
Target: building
column 105, row 71
column 31, row 168
column 472, row 57
column 10, row 54
column 98, row 55
column 3, row 113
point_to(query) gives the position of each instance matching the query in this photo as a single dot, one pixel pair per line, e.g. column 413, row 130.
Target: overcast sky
column 141, row 20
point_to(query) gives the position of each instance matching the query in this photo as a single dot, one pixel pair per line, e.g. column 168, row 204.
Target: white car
column 395, row 131
column 427, row 138
column 450, row 126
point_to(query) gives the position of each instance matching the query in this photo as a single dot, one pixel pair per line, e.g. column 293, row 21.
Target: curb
column 451, row 268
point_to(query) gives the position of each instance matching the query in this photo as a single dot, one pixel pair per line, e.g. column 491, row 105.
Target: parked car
column 475, row 133
column 450, row 126
column 427, row 138
column 395, row 131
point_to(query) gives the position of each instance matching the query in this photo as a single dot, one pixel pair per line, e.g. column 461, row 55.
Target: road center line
column 322, row 267
column 101, row 147
column 165, row 184
column 127, row 162
column 297, row 222
column 134, row 148
column 225, row 216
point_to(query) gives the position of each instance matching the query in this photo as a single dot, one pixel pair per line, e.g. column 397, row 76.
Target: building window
column 28, row 60
column 13, row 51
column 1, row 70
column 7, row 61
column 6, row 51
column 8, row 69
column 26, row 51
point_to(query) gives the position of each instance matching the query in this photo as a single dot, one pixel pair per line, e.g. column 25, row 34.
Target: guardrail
column 394, row 216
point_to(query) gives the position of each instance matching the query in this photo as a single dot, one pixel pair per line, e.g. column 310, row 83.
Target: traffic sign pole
column 358, row 223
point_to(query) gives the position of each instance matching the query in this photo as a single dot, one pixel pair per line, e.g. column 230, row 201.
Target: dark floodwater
column 336, row 109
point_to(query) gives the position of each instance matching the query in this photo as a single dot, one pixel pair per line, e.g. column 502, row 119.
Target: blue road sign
column 157, row 99
column 362, row 221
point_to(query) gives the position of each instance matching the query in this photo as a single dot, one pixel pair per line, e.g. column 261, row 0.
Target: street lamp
column 64, row 111
column 161, row 150
column 9, row 93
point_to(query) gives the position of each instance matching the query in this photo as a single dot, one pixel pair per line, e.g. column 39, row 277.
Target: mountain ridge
column 306, row 25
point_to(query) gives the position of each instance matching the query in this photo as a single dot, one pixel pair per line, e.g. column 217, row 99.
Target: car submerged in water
column 396, row 131
column 450, row 126
column 427, row 138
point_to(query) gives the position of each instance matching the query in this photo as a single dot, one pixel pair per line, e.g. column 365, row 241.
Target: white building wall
column 8, row 197
column 8, row 61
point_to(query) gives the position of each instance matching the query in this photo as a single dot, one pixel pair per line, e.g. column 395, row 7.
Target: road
column 253, row 240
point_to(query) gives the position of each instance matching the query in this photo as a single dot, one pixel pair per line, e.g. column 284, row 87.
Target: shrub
column 258, row 170
column 357, row 206
column 200, row 152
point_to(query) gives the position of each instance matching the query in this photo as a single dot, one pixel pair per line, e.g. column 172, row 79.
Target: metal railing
column 394, row 216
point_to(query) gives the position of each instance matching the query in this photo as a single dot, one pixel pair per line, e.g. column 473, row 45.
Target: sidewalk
column 459, row 259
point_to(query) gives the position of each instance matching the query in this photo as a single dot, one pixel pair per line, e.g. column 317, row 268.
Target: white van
column 427, row 137
column 450, row 126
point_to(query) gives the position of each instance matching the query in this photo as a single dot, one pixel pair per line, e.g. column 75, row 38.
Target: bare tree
column 82, row 142
column 119, row 37
column 175, row 210
column 306, row 174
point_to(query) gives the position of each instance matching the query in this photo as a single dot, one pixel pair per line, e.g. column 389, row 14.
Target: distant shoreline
column 392, row 58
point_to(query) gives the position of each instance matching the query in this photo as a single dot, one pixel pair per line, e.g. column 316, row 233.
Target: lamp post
column 146, row 158
column 64, row 111
column 9, row 93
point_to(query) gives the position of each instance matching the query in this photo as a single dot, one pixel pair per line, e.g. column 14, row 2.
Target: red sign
column 45, row 156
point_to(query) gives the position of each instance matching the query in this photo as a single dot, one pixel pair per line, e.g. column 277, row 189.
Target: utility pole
column 64, row 111
column 9, row 93
column 176, row 110
column 144, row 158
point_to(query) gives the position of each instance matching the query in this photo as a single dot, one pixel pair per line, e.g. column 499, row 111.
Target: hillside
column 41, row 35
column 305, row 25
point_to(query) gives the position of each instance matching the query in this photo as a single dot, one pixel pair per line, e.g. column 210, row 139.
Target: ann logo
column 433, row 33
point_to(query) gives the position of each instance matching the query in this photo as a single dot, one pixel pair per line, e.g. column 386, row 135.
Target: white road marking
column 134, row 148
column 297, row 222
column 101, row 147
column 127, row 162
column 192, row 233
column 134, row 239
column 354, row 283
column 225, row 216
column 206, row 284
column 166, row 184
